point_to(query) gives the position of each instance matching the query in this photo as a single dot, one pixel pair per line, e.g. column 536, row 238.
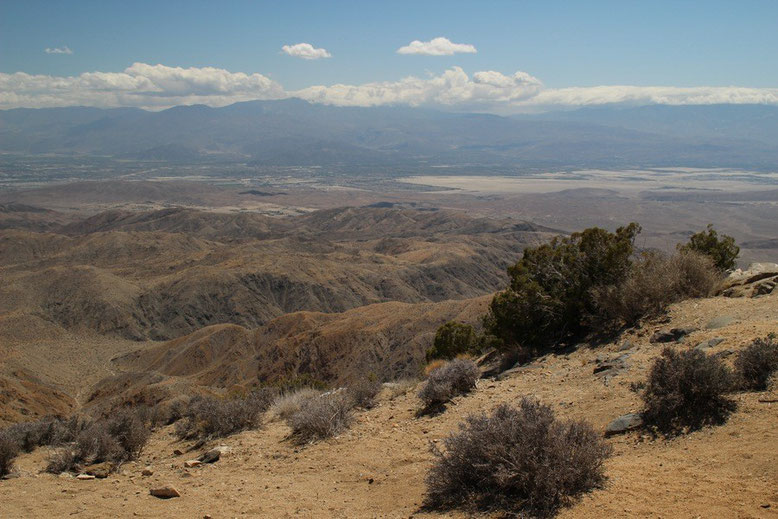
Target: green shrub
column 518, row 460
column 756, row 363
column 686, row 391
column 454, row 378
column 453, row 339
column 722, row 251
column 549, row 299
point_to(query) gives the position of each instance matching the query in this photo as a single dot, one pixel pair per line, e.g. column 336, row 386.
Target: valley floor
column 377, row 468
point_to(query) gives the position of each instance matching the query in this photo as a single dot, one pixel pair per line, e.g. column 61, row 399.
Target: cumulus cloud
column 58, row 50
column 155, row 87
column 140, row 85
column 452, row 88
column 436, row 47
column 305, row 51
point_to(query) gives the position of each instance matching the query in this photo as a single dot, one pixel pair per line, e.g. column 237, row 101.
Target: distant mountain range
column 293, row 132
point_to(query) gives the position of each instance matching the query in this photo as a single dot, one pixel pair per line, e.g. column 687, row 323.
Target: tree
column 453, row 339
column 722, row 250
column 549, row 299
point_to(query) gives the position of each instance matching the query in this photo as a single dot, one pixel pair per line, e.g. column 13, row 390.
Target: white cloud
column 140, row 85
column 641, row 95
column 305, row 51
column 452, row 88
column 58, row 50
column 436, row 47
column 156, row 87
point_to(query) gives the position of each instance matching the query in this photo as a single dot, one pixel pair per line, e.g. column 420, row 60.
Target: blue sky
column 561, row 44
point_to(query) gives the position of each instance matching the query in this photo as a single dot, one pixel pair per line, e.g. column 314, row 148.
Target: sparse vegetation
column 722, row 250
column 550, row 293
column 115, row 439
column 9, row 449
column 454, row 378
column 756, row 363
column 363, row 393
column 520, row 460
column 686, row 391
column 654, row 282
column 51, row 430
column 322, row 417
column 452, row 339
column 207, row 418
column 287, row 404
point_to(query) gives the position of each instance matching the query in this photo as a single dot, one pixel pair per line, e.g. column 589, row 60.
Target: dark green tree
column 549, row 299
column 453, row 339
column 722, row 250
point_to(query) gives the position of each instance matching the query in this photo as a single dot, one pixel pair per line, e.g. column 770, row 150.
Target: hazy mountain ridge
column 294, row 132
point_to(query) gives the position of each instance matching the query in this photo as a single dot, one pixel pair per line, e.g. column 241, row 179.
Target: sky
column 499, row 56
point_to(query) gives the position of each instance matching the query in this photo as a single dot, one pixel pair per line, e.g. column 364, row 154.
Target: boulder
column 165, row 492
column 710, row 343
column 764, row 288
column 624, row 423
column 211, row 456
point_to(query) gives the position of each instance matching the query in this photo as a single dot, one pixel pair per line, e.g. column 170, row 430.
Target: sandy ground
column 377, row 468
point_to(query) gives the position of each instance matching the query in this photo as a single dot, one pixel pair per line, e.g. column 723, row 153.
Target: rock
column 754, row 272
column 99, row 470
column 738, row 291
column 763, row 288
column 611, row 367
column 192, row 463
column 720, row 322
column 211, row 456
column 165, row 492
column 624, row 423
column 672, row 335
column 626, row 345
column 710, row 343
column 177, row 452
column 84, row 477
column 147, row 472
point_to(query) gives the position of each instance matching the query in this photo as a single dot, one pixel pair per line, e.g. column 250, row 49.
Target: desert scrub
column 287, row 404
column 454, row 378
column 721, row 250
column 364, row 392
column 208, row 418
column 115, row 439
column 9, row 449
column 322, row 416
column 756, row 363
column 686, row 391
column 519, row 460
column 452, row 339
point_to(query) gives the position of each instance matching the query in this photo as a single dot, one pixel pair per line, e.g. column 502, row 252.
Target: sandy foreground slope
column 377, row 468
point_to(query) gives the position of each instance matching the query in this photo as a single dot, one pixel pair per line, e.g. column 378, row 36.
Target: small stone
column 177, row 452
column 211, row 456
column 626, row 345
column 624, row 423
column 165, row 492
column 192, row 463
column 84, row 477
column 671, row 335
column 99, row 470
column 147, row 472
column 710, row 343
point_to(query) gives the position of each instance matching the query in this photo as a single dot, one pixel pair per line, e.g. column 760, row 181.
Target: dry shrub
column 401, row 387
column 454, row 378
column 363, row 393
column 433, row 365
column 287, row 404
column 9, row 449
column 756, row 363
column 656, row 281
column 115, row 439
column 322, row 417
column 518, row 459
column 207, row 418
column 686, row 391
